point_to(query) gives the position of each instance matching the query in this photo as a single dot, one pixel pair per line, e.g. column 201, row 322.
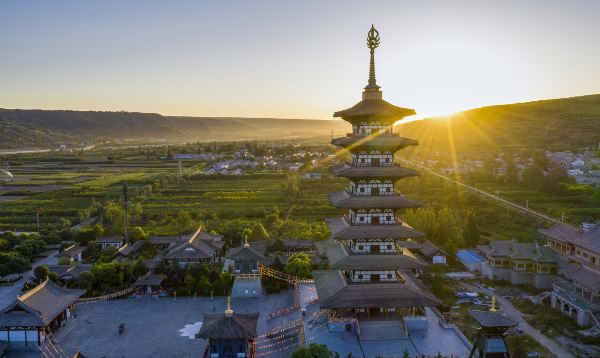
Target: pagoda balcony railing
column 398, row 280
column 368, row 165
column 397, row 221
column 386, row 194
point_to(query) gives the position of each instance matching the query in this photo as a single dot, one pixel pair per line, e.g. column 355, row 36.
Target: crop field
column 58, row 191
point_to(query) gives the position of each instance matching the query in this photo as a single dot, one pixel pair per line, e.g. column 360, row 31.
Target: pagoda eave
column 341, row 229
column 335, row 292
column 392, row 171
column 374, row 110
column 393, row 142
column 344, row 200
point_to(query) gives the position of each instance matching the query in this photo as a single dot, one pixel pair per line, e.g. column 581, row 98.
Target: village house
column 73, row 253
column 110, row 241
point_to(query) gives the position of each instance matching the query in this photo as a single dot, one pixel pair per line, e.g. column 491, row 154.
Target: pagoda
column 371, row 272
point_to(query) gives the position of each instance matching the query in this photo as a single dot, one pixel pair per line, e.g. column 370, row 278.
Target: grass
column 520, row 345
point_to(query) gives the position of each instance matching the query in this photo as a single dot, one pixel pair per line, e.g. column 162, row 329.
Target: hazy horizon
column 268, row 59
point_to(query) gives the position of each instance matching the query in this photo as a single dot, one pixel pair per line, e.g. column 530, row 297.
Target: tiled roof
column 375, row 110
column 39, row 306
column 343, row 199
column 430, row 249
column 71, row 251
column 340, row 259
column 392, row 171
column 149, row 279
column 341, row 229
column 220, row 326
column 72, row 271
column 334, row 292
column 491, row 319
column 383, row 140
column 201, row 245
column 589, row 240
column 244, row 253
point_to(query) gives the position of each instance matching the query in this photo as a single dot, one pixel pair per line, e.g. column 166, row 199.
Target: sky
column 293, row 59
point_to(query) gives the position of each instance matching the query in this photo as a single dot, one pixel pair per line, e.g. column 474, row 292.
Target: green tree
column 114, row 217
column 184, row 221
column 137, row 233
column 259, row 233
column 313, row 351
column 190, row 282
column 41, row 272
column 299, row 265
column 86, row 280
column 139, row 268
column 107, row 275
column 471, row 233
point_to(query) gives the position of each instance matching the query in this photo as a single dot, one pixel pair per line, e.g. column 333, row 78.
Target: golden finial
column 228, row 311
column 246, row 244
column 493, row 308
column 373, row 38
column 372, row 44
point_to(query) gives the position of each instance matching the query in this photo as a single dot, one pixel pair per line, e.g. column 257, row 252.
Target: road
column 516, row 315
column 479, row 191
column 9, row 293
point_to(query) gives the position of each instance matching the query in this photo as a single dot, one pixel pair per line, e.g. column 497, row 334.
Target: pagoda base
column 247, row 287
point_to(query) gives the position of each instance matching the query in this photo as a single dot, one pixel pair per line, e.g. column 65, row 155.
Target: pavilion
column 229, row 334
column 37, row 313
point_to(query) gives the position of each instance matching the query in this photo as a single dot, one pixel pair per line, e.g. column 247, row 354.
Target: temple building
column 245, row 270
column 37, row 313
column 229, row 334
column 490, row 342
column 201, row 247
column 370, row 275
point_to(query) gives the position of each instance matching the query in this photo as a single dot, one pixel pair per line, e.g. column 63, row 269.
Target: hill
column 41, row 128
column 556, row 124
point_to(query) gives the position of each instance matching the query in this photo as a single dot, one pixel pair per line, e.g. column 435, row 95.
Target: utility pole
column 126, row 204
column 37, row 217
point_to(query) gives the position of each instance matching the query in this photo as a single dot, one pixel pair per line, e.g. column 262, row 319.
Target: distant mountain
column 41, row 128
column 557, row 124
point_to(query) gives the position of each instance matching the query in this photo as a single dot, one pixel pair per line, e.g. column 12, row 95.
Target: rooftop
column 392, row 171
column 589, row 240
column 39, row 306
column 343, row 199
column 223, row 326
column 341, row 229
column 336, row 292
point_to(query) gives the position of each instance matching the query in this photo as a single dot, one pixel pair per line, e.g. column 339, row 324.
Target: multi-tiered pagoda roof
column 370, row 269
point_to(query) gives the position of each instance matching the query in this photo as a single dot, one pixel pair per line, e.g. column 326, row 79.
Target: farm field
column 60, row 190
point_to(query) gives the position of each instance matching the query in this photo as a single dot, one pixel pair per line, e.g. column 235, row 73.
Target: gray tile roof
column 71, row 251
column 343, row 199
column 149, row 279
column 340, row 259
column 201, row 245
column 237, row 326
column 334, row 292
column 39, row 306
column 244, row 254
column 375, row 109
column 394, row 171
column 589, row 240
column 341, row 229
column 383, row 140
column 490, row 319
column 429, row 249
column 69, row 271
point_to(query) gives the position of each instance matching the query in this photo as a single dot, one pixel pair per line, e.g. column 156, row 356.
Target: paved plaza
column 165, row 327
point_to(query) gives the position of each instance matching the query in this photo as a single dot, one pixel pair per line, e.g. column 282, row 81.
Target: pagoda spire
column 372, row 90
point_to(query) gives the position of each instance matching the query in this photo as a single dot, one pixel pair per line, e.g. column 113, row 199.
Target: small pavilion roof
column 245, row 254
column 149, row 279
column 335, row 292
column 374, row 110
column 343, row 199
column 39, row 306
column 221, row 326
column 489, row 319
column 341, row 229
column 340, row 259
column 391, row 171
